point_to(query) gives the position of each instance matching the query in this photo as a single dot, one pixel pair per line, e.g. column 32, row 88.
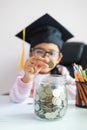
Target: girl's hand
column 32, row 67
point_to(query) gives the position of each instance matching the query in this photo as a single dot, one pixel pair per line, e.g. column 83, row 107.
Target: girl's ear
column 60, row 58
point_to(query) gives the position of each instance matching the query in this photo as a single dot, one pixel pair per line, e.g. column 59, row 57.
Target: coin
column 51, row 64
column 58, row 102
column 62, row 112
column 43, row 95
column 62, row 96
column 51, row 115
column 37, row 97
column 36, row 107
column 56, row 92
column 48, row 90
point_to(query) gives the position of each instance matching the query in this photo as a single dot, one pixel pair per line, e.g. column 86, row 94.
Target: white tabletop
column 20, row 116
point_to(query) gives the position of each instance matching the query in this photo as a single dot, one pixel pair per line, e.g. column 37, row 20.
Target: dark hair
column 55, row 71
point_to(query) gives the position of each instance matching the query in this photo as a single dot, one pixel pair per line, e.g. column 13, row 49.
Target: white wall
column 17, row 14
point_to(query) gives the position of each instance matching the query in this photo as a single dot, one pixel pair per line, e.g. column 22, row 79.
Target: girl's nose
column 47, row 57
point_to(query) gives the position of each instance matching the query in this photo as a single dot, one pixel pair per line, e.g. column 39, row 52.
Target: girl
column 46, row 37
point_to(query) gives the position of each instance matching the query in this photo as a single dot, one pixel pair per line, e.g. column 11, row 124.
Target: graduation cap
column 45, row 29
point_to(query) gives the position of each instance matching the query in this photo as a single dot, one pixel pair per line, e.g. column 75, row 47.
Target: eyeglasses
column 42, row 53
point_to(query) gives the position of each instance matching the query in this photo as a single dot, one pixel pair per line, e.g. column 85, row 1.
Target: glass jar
column 50, row 97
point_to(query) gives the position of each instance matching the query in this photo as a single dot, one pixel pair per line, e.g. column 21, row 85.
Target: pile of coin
column 50, row 102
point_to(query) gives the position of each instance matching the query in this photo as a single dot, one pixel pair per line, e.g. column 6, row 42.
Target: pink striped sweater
column 20, row 91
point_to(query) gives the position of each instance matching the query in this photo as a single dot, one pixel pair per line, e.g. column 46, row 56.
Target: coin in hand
column 51, row 64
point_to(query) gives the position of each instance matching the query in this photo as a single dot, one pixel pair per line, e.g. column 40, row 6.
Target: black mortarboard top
column 45, row 29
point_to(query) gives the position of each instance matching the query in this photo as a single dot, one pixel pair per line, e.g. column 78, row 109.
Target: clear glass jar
column 50, row 97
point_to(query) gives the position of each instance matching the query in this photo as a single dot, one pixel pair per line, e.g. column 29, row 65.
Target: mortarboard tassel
column 21, row 61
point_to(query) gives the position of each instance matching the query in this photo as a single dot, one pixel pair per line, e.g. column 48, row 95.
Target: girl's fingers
column 29, row 69
column 37, row 62
column 32, row 69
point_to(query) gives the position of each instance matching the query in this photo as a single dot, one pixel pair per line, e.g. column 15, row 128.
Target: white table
column 20, row 116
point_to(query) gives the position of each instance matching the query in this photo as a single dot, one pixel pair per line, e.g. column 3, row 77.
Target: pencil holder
column 81, row 94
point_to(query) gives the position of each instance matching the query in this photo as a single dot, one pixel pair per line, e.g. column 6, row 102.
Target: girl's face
column 48, row 51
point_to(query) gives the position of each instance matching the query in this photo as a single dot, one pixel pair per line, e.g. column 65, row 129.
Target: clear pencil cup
column 50, row 97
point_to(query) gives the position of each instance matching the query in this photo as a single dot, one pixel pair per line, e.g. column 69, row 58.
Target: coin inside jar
column 51, row 64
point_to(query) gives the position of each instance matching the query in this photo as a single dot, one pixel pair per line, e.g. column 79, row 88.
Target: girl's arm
column 70, row 82
column 20, row 91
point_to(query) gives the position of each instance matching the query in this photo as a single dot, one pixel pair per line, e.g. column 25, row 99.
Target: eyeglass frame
column 46, row 52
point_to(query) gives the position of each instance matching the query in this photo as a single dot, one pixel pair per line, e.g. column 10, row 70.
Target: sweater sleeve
column 70, row 82
column 20, row 91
